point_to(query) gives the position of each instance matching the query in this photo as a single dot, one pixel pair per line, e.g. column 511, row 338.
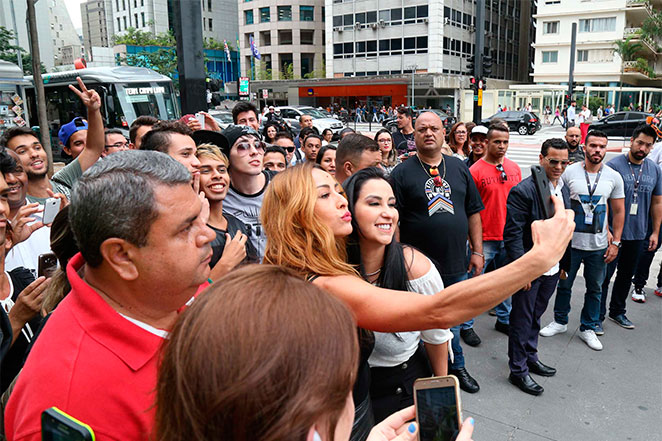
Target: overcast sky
column 74, row 11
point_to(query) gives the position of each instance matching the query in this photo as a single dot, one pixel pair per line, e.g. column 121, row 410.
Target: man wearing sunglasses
column 495, row 175
column 592, row 185
column 528, row 304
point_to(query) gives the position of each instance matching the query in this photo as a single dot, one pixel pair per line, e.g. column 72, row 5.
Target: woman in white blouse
column 398, row 358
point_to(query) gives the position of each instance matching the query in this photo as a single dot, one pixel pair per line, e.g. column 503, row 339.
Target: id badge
column 633, row 209
column 588, row 218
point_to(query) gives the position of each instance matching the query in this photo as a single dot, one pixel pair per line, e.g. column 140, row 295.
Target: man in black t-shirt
column 439, row 206
column 403, row 139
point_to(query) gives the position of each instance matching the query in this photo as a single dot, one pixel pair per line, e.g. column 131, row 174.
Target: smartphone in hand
column 58, row 426
column 51, row 209
column 438, row 409
column 542, row 188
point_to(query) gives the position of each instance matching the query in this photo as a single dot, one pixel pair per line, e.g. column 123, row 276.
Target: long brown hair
column 295, row 237
column 261, row 355
column 464, row 148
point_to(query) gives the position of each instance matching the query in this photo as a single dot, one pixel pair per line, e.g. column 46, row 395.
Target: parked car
column 320, row 121
column 620, row 123
column 520, row 121
column 222, row 117
column 392, row 123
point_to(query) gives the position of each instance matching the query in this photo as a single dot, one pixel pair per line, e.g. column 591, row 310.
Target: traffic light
column 487, row 65
column 474, row 85
column 470, row 66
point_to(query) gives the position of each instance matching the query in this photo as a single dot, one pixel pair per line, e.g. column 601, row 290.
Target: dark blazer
column 524, row 207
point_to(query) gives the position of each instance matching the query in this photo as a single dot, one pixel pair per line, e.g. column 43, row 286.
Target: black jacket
column 524, row 207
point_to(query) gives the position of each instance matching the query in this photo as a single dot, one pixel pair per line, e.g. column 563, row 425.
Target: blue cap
column 70, row 128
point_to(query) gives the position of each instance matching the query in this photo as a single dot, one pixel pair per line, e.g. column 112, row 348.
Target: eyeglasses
column 244, row 148
column 503, row 175
column 118, row 145
column 461, row 132
column 289, row 149
column 554, row 162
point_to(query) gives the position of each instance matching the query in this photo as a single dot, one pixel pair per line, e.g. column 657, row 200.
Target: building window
column 550, row 27
column 285, row 37
column 142, row 16
column 117, row 5
column 123, row 5
column 142, row 2
column 210, row 26
column 307, row 36
column 323, row 13
column 348, row 20
column 607, row 24
column 265, row 38
column 306, row 13
column 285, row 13
column 337, row 21
column 119, row 25
column 582, row 55
column 595, row 55
column 550, row 56
column 135, row 3
column 265, row 15
column 135, row 18
column 396, row 16
column 248, row 16
column 209, row 5
column 124, row 21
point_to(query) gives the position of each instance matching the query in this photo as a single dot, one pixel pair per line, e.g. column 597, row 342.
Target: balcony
column 638, row 10
column 648, row 44
column 639, row 70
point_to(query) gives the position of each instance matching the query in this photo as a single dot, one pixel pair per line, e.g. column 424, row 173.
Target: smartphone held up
column 438, row 408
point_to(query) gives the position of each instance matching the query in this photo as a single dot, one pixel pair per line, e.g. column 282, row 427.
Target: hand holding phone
column 201, row 120
column 51, row 209
column 438, row 409
column 47, row 265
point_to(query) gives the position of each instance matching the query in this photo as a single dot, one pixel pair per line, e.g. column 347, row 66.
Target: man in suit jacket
column 528, row 304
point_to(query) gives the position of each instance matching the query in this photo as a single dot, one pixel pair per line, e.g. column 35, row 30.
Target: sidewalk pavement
column 611, row 395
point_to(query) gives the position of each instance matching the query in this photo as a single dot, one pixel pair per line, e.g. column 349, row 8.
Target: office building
column 97, row 25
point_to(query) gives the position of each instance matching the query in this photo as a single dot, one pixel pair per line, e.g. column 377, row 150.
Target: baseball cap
column 211, row 137
column 70, row 128
column 233, row 132
column 481, row 130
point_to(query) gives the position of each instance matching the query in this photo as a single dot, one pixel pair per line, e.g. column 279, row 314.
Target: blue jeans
column 626, row 262
column 458, row 355
column 595, row 269
column 494, row 251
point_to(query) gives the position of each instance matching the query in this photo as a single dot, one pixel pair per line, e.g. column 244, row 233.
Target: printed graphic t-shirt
column 434, row 218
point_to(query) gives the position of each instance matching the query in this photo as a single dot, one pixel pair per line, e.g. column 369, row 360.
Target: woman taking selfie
column 306, row 220
column 246, row 360
column 389, row 156
column 397, row 359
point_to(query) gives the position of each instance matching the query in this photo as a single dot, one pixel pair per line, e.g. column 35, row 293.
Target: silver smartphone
column 51, row 209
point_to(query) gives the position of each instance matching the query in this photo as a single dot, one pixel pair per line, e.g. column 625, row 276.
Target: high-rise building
column 97, row 25
column 600, row 24
column 145, row 15
column 390, row 37
column 219, row 20
column 63, row 34
column 290, row 37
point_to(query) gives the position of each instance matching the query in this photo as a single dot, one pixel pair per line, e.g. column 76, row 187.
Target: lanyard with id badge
column 588, row 216
column 635, row 205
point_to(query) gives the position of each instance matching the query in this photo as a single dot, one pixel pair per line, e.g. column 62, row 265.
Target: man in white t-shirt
column 592, row 185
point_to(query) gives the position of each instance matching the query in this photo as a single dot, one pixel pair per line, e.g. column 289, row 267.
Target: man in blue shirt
column 643, row 198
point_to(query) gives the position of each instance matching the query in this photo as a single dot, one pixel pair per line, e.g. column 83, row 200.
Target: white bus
column 11, row 88
column 126, row 93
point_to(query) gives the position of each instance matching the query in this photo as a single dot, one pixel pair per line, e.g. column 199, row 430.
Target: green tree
column 135, row 37
column 652, row 26
column 317, row 73
column 163, row 60
column 8, row 51
column 628, row 51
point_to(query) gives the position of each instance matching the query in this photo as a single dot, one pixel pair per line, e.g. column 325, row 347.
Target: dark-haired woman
column 269, row 132
column 326, row 158
column 327, row 136
column 397, row 359
column 389, row 156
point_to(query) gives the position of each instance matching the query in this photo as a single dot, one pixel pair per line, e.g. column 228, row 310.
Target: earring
column 316, row 436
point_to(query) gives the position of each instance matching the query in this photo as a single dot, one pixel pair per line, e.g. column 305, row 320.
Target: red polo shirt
column 93, row 364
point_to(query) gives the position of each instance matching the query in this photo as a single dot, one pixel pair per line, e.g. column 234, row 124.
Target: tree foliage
column 626, row 49
column 163, row 60
column 9, row 51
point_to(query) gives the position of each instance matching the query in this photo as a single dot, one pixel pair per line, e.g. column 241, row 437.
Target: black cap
column 233, row 132
column 211, row 137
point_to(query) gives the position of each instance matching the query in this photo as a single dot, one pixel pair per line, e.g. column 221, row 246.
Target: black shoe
column 470, row 337
column 502, row 327
column 526, row 384
column 541, row 369
column 467, row 382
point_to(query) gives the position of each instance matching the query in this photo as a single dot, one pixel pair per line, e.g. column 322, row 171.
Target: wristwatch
column 617, row 244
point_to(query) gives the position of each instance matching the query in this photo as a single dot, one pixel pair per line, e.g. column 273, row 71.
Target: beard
column 36, row 175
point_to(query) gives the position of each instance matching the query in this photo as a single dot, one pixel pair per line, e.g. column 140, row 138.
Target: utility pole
column 573, row 50
column 478, row 60
column 187, row 24
column 39, row 84
column 413, row 72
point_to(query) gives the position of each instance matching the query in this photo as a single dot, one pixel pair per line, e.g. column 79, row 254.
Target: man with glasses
column 115, row 142
column 528, row 304
column 285, row 141
column 592, row 185
column 248, row 180
column 495, row 175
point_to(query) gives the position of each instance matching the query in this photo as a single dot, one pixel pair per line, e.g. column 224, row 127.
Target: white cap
column 479, row 129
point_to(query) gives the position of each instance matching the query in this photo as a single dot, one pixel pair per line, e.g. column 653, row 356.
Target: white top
column 390, row 350
column 149, row 328
column 656, row 154
column 571, row 113
column 26, row 253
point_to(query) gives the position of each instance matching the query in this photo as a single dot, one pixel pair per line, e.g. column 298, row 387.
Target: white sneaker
column 591, row 339
column 638, row 295
column 553, row 329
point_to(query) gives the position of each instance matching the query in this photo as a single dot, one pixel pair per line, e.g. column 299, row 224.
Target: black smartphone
column 438, row 413
column 542, row 188
column 58, row 426
column 47, row 265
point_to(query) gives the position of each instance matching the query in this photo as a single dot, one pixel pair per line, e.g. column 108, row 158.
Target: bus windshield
column 135, row 99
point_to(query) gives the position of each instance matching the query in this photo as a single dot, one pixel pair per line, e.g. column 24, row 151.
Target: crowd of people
column 208, row 279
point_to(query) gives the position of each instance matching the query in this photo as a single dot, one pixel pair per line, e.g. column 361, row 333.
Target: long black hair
column 393, row 274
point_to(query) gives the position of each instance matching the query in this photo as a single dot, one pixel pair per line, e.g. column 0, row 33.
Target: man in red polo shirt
column 144, row 252
column 495, row 175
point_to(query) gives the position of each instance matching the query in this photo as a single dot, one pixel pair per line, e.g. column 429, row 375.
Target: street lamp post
column 413, row 72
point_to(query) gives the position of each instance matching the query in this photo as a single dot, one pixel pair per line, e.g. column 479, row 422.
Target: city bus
column 126, row 93
column 12, row 86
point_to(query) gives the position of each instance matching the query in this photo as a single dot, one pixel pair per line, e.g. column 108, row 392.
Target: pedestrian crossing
column 525, row 157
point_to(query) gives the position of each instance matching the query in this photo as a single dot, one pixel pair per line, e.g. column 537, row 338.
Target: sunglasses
column 503, row 175
column 244, row 148
column 289, row 149
column 554, row 162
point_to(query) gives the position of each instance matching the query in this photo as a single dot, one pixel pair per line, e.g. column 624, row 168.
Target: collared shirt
column 91, row 363
column 556, row 191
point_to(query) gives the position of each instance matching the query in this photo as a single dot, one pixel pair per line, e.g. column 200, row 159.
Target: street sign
column 480, row 97
column 244, row 83
column 265, row 94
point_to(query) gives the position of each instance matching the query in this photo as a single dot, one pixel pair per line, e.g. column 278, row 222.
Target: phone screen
column 437, row 414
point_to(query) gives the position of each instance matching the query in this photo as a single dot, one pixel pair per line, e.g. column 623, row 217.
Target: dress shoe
column 470, row 337
column 541, row 369
column 467, row 382
column 502, row 327
column 526, row 384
